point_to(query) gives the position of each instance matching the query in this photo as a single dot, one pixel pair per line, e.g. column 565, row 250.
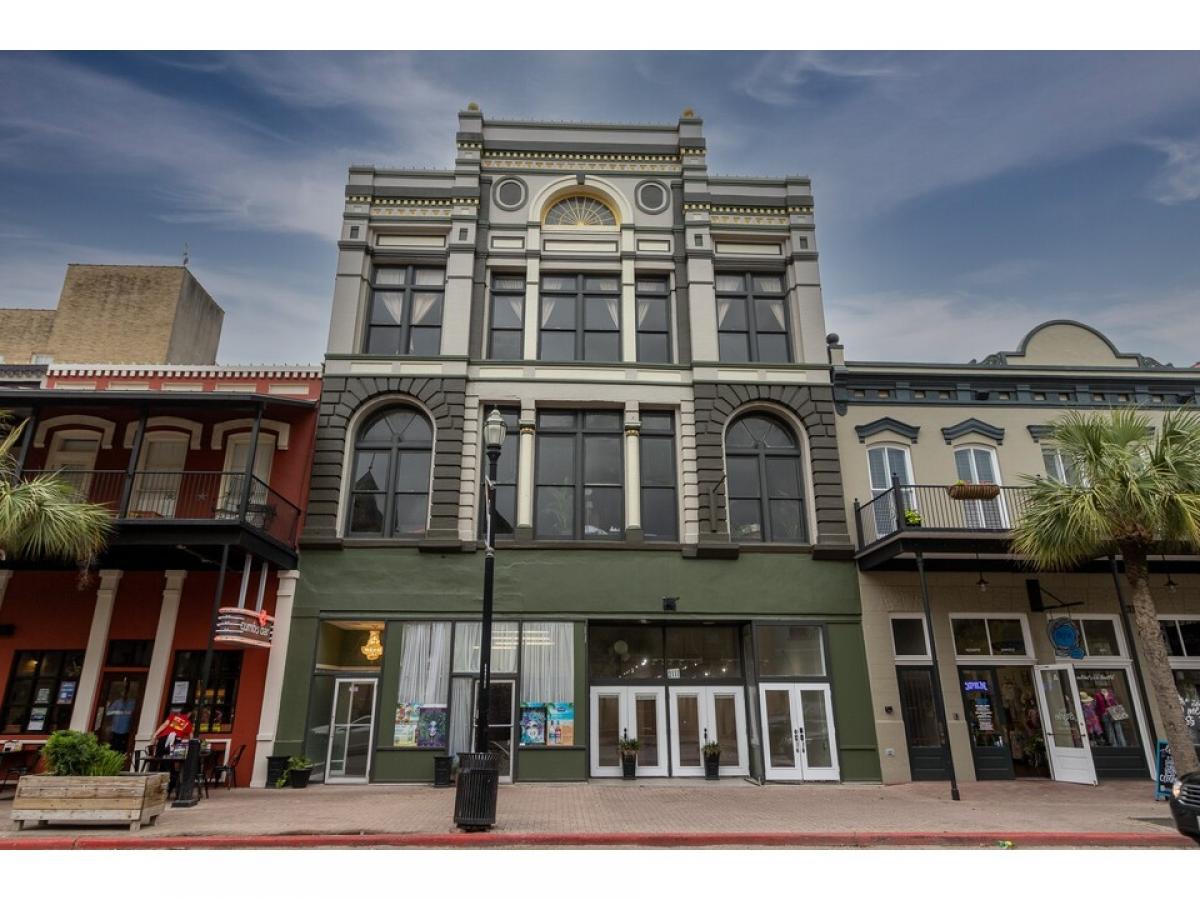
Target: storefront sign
column 246, row 627
column 1164, row 772
column 969, row 686
column 1066, row 638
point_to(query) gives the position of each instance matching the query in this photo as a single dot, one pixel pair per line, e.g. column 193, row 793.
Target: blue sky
column 961, row 198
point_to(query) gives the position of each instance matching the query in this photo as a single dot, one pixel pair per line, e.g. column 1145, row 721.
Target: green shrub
column 79, row 753
column 107, row 762
column 294, row 762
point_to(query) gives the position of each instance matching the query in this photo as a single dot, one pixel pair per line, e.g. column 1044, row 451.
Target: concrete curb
column 1019, row 839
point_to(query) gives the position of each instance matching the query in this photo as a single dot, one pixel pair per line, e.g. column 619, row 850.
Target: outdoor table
column 172, row 763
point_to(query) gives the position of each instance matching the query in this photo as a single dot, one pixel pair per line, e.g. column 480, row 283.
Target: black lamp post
column 494, row 432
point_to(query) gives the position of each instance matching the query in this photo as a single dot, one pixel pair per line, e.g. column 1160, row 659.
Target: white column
column 628, row 312
column 160, row 658
column 633, row 469
column 97, row 646
column 533, row 310
column 525, row 472
column 268, row 719
column 5, row 575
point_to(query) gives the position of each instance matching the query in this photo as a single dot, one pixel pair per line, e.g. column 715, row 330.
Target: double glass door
column 702, row 715
column 628, row 712
column 798, row 727
column 351, row 731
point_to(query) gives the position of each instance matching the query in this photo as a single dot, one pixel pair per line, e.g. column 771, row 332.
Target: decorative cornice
column 973, row 426
column 75, row 370
column 582, row 157
column 1040, row 432
column 887, row 423
column 704, row 206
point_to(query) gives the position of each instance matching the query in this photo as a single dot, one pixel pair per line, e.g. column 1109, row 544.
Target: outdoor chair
column 228, row 770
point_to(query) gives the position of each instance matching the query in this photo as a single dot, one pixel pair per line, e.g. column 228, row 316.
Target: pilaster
column 160, row 658
column 268, row 719
column 97, row 645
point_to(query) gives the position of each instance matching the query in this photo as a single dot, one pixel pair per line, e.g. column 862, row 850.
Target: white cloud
column 779, row 78
column 1179, row 180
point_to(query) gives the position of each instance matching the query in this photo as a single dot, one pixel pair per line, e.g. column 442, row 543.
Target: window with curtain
column 506, row 338
column 765, row 481
column 579, row 478
column 422, row 718
column 884, row 462
column 467, row 641
column 406, row 311
column 660, row 508
column 506, row 476
column 752, row 318
column 547, row 684
column 389, row 496
column 580, row 318
column 653, row 320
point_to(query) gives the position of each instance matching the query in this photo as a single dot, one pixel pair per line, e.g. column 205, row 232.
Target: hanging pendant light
column 982, row 583
column 1171, row 586
column 372, row 649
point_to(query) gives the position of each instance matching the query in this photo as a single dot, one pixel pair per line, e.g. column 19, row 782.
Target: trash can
column 475, row 797
column 441, row 770
column 276, row 766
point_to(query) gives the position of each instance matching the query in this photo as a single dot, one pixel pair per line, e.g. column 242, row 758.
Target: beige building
column 117, row 314
column 1040, row 673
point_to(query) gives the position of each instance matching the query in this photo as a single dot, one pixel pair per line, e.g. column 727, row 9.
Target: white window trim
column 891, row 445
column 927, row 658
column 1028, row 658
column 1181, row 662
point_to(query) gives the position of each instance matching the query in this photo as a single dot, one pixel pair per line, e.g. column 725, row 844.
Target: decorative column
column 525, row 474
column 628, row 311
column 268, row 720
column 633, row 473
column 533, row 312
column 160, row 658
column 97, row 646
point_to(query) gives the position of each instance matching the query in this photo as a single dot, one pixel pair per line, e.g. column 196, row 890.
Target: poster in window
column 66, row 692
column 179, row 692
column 43, row 695
column 408, row 718
column 432, row 727
column 560, row 724
column 37, row 718
column 533, row 726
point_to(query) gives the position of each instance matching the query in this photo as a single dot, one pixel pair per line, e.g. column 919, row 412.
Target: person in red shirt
column 177, row 727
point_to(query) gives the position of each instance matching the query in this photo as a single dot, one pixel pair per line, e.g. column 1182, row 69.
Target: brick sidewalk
column 650, row 807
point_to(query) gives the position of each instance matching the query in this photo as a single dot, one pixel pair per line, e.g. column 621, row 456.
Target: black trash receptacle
column 276, row 766
column 475, row 797
column 441, row 770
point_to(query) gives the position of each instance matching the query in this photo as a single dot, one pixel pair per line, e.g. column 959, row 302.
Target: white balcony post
column 268, row 720
column 97, row 645
column 160, row 658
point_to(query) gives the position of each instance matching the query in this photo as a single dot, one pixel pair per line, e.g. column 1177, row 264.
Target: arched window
column 765, row 481
column 581, row 211
column 389, row 494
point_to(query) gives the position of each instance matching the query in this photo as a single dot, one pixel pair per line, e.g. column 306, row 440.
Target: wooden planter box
column 983, row 491
column 133, row 799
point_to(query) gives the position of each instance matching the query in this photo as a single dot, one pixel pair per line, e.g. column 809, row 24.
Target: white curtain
column 467, row 637
column 424, row 663
column 461, row 710
column 422, row 306
column 394, row 304
column 548, row 663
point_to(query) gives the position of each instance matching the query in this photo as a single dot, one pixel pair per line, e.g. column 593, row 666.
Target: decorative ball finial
column 832, row 338
column 689, row 113
column 472, row 106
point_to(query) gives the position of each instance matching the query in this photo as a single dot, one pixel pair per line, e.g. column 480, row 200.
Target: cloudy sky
column 961, row 198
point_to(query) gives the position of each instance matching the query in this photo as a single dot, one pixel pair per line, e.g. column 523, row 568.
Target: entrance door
column 156, row 488
column 976, row 465
column 351, row 731
column 501, row 717
column 1062, row 719
column 986, row 724
column 633, row 712
column 798, row 725
column 700, row 715
column 118, row 709
column 928, row 757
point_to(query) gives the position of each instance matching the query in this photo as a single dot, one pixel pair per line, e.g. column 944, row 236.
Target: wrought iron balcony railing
column 941, row 508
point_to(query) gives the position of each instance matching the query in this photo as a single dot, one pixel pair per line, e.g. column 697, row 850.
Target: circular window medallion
column 652, row 196
column 510, row 193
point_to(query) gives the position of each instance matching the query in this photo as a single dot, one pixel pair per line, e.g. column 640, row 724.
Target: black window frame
column 394, row 448
column 764, row 497
column 579, row 292
column 653, row 288
column 511, row 448
column 580, row 431
column 749, row 294
column 186, row 666
column 507, row 293
column 661, row 430
column 58, row 715
column 406, row 326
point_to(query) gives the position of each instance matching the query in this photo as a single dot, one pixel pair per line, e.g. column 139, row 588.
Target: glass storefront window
column 1107, row 707
column 1007, row 637
column 908, row 637
column 468, row 637
column 422, row 719
column 344, row 646
column 41, row 691
column 625, row 651
column 220, row 693
column 548, row 684
column 1100, row 637
column 988, row 636
column 786, row 651
column 1187, row 681
column 970, row 637
column 703, row 652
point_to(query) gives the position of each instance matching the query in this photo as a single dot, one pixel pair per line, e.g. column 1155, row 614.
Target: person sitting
column 175, row 729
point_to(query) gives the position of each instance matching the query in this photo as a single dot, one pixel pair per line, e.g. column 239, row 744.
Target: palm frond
column 43, row 518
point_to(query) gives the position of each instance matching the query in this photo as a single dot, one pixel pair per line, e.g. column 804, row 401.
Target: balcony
column 941, row 524
column 190, row 508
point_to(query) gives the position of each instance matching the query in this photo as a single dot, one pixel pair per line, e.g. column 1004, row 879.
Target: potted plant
column 712, row 760
column 912, row 518
column 629, row 750
column 967, row 490
column 298, row 772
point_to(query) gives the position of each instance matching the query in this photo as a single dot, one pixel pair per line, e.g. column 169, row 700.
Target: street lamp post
column 494, row 432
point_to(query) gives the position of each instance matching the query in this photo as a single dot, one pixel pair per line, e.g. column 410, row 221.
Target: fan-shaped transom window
column 389, row 494
column 581, row 212
column 765, row 483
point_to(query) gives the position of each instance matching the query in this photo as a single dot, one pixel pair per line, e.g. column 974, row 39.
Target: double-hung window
column 580, row 466
column 752, row 318
column 884, row 462
column 580, row 318
column 406, row 311
column 507, row 317
column 660, row 512
column 653, row 320
column 1059, row 466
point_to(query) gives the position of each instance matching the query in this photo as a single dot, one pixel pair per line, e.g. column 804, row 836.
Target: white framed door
column 703, row 714
column 1062, row 720
column 73, row 456
column 628, row 711
column 977, row 465
column 502, row 710
column 160, row 471
column 799, row 740
column 351, row 732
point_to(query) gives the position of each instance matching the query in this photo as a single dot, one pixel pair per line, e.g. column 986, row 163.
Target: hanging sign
column 1164, row 772
column 246, row 627
column 1066, row 638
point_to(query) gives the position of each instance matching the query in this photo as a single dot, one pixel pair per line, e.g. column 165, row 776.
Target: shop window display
column 422, row 717
column 41, row 691
column 547, row 684
column 1107, row 708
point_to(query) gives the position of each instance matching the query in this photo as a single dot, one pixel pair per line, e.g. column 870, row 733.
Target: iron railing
column 930, row 507
column 189, row 496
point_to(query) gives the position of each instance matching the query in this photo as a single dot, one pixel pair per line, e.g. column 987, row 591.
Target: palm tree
column 43, row 517
column 1134, row 487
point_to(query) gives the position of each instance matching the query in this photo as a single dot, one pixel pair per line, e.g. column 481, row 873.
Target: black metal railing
column 934, row 507
column 185, row 496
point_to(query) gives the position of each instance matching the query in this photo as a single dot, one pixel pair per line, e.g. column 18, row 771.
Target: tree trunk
column 1158, row 670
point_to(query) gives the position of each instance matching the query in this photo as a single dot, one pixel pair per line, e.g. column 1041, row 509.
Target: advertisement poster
column 560, row 724
column 43, row 695
column 983, row 716
column 432, row 727
column 66, row 692
column 179, row 692
column 37, row 718
column 533, row 726
column 408, row 717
